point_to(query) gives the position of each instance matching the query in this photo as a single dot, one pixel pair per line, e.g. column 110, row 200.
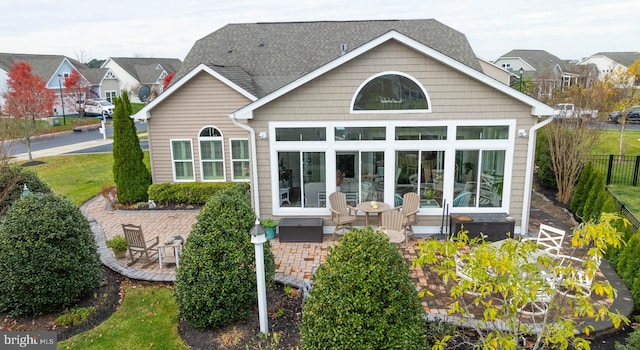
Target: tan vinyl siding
column 453, row 95
column 203, row 101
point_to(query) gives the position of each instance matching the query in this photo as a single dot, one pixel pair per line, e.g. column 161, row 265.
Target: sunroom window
column 182, row 158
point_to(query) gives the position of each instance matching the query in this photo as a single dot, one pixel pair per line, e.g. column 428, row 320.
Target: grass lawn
column 609, row 139
column 147, row 319
column 79, row 177
column 608, row 144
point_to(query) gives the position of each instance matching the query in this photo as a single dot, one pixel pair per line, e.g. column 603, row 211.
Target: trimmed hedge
column 628, row 261
column 48, row 257
column 363, row 298
column 216, row 281
column 12, row 181
column 196, row 193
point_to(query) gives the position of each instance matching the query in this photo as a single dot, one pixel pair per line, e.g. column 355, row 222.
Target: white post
column 258, row 240
column 103, row 129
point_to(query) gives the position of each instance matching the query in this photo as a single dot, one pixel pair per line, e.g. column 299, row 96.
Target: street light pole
column 521, row 73
column 64, row 116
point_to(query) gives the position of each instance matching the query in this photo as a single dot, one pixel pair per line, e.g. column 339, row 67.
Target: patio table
column 368, row 207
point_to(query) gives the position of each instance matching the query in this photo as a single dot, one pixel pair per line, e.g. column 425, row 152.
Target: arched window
column 391, row 91
column 211, row 154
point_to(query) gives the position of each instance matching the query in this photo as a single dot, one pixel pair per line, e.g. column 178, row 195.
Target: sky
column 569, row 29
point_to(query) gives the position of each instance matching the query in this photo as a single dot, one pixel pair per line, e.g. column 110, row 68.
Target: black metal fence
column 633, row 219
column 623, row 170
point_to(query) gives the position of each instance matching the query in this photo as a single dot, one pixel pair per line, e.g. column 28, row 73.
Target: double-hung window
column 182, row 159
column 211, row 154
column 240, row 159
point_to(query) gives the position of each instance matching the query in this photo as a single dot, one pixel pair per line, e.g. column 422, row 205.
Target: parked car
column 568, row 110
column 102, row 108
column 632, row 115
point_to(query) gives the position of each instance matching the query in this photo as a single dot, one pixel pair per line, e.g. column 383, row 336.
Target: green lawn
column 609, row 140
column 147, row 319
column 608, row 144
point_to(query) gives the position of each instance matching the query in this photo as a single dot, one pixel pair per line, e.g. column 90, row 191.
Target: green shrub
column 216, row 281
column 632, row 342
column 627, row 267
column 581, row 191
column 595, row 198
column 48, row 257
column 12, row 181
column 546, row 175
column 117, row 244
column 130, row 174
column 363, row 298
column 195, row 193
column 74, row 316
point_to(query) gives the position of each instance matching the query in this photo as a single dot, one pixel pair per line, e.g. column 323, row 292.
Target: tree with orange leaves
column 26, row 99
column 75, row 89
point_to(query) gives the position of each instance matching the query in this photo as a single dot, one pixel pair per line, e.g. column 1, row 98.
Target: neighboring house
column 53, row 70
column 396, row 106
column 547, row 72
column 496, row 72
column 607, row 62
column 142, row 77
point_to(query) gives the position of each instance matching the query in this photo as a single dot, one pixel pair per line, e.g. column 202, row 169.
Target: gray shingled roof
column 144, row 68
column 268, row 56
column 43, row 66
column 624, row 58
column 539, row 59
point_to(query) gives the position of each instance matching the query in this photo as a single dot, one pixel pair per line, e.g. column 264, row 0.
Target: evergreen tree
column 130, row 174
column 581, row 191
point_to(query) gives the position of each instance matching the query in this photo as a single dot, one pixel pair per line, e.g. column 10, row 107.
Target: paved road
column 89, row 141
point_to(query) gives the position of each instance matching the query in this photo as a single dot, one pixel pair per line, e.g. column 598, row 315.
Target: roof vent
column 229, row 49
column 344, row 48
column 261, row 43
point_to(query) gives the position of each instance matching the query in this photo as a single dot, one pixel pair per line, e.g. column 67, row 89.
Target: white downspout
column 255, row 199
column 528, row 178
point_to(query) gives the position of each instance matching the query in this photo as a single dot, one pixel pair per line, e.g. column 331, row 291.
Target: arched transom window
column 391, row 91
column 211, row 154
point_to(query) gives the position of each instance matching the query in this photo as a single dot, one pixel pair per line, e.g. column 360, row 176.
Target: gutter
column 255, row 199
column 528, row 178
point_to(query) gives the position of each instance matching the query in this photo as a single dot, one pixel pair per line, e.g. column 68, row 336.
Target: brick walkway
column 296, row 261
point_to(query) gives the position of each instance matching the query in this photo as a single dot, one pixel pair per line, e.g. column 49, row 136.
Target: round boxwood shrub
column 12, row 180
column 216, row 281
column 363, row 298
column 48, row 257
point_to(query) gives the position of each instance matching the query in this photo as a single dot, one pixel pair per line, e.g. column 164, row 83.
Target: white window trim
column 232, row 160
column 390, row 146
column 114, row 92
column 173, row 161
column 394, row 111
column 223, row 160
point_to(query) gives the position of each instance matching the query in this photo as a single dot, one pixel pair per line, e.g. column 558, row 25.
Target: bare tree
column 569, row 142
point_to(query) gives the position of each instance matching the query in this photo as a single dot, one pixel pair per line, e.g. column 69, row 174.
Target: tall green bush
column 546, row 175
column 363, row 298
column 12, row 180
column 595, row 197
column 48, row 257
column 581, row 191
column 628, row 262
column 216, row 281
column 130, row 174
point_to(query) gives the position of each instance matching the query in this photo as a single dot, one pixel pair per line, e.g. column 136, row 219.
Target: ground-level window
column 110, row 95
column 302, row 179
column 461, row 165
column 240, row 160
column 211, row 154
column 182, row 159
